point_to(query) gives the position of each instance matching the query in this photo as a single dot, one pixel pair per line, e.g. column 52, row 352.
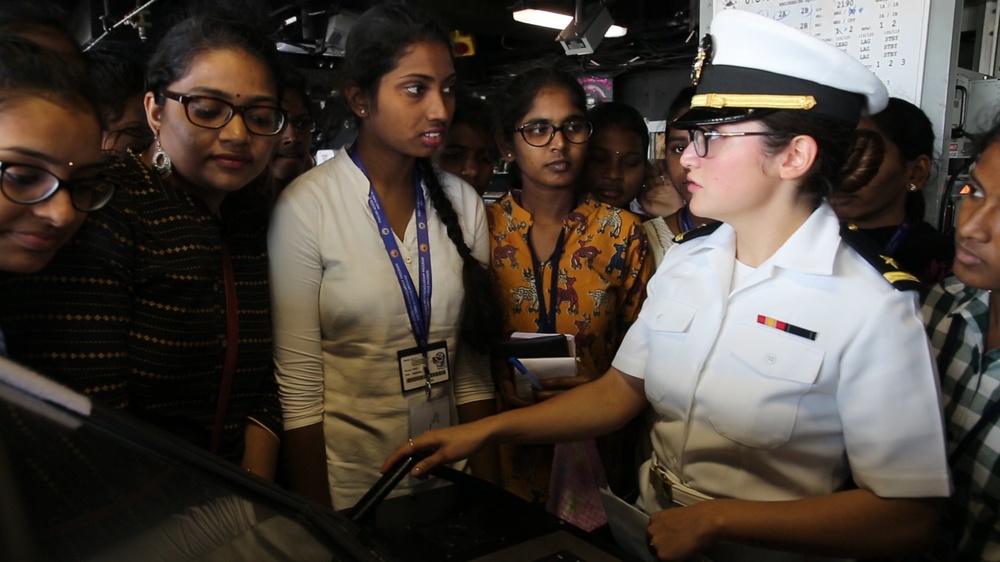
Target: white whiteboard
column 889, row 39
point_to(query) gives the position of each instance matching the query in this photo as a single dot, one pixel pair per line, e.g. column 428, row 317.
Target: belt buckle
column 661, row 486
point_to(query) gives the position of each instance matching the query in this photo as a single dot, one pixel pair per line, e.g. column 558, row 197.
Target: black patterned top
column 133, row 311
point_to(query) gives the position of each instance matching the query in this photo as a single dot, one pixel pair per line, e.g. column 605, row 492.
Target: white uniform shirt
column 340, row 318
column 753, row 412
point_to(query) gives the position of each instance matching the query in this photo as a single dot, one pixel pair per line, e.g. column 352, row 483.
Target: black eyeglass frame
column 70, row 185
column 556, row 129
column 186, row 99
column 303, row 125
column 701, row 148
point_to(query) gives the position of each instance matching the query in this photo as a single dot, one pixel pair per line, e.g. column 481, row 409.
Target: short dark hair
column 28, row 70
column 296, row 82
column 908, row 127
column 985, row 140
column 680, row 102
column 17, row 17
column 120, row 75
column 475, row 113
column 200, row 34
column 622, row 115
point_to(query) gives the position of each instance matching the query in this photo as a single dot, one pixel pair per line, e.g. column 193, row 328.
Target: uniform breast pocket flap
column 672, row 316
column 777, row 354
column 754, row 397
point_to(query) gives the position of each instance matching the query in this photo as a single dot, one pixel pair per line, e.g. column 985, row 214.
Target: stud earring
column 362, row 110
column 913, row 187
column 161, row 161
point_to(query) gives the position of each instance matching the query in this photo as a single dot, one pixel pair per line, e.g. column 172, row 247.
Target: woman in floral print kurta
column 601, row 277
column 565, row 264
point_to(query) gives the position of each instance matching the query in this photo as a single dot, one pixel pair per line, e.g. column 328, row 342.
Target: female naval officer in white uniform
column 798, row 406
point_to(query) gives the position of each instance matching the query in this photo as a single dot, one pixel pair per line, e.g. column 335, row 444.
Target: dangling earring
column 161, row 161
column 913, row 187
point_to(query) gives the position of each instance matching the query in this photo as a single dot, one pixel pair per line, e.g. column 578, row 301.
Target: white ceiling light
column 554, row 20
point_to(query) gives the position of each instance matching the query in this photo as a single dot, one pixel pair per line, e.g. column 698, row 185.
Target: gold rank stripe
column 756, row 101
column 893, row 276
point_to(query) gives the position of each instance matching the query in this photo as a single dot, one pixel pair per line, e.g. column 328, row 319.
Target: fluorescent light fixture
column 553, row 20
column 616, row 31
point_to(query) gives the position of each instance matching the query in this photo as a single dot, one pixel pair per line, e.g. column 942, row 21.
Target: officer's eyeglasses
column 27, row 185
column 213, row 113
column 303, row 126
column 700, row 138
column 540, row 133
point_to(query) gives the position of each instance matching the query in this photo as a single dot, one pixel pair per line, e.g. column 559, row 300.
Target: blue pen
column 524, row 371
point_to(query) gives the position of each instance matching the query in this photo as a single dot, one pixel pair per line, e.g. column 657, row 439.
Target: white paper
column 543, row 368
column 628, row 525
column 550, row 367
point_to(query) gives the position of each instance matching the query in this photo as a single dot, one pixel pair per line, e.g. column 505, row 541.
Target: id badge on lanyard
column 426, row 364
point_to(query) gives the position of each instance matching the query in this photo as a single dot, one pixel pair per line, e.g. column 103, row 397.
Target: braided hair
column 377, row 42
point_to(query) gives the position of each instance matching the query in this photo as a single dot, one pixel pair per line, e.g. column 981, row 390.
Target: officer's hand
column 682, row 532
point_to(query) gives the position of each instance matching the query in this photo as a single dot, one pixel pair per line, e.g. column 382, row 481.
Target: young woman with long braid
column 381, row 294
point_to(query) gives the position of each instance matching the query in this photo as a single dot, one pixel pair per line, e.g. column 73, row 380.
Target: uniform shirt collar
column 811, row 249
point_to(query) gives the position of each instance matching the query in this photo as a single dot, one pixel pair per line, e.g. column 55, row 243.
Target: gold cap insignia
column 703, row 57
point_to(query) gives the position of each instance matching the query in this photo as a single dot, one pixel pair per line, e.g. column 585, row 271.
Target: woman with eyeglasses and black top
column 160, row 305
column 565, row 264
column 798, row 408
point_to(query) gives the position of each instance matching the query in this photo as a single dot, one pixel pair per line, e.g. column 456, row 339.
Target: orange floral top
column 600, row 275
column 597, row 282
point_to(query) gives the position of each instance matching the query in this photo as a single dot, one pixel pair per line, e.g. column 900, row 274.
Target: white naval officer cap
column 750, row 65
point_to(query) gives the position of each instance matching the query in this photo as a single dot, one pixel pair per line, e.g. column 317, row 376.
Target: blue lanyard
column 898, row 237
column 418, row 306
column 547, row 311
column 685, row 221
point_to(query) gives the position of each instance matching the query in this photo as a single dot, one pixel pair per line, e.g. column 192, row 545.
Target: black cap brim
column 709, row 116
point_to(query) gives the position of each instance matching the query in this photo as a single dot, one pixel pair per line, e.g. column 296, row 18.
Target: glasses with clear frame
column 213, row 113
column 700, row 138
column 27, row 185
column 576, row 130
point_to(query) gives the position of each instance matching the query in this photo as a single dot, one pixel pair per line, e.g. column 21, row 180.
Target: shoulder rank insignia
column 703, row 230
column 874, row 255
